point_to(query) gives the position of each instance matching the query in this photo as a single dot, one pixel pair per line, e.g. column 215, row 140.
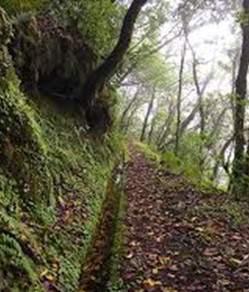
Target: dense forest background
column 94, row 92
column 176, row 84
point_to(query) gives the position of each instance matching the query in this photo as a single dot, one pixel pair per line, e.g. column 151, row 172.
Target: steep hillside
column 85, row 208
column 53, row 181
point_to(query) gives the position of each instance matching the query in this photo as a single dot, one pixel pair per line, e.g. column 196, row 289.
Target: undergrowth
column 149, row 152
column 115, row 283
column 53, row 179
column 17, row 6
column 234, row 210
column 184, row 165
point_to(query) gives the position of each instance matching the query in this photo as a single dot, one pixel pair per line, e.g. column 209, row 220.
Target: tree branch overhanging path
column 96, row 82
column 106, row 70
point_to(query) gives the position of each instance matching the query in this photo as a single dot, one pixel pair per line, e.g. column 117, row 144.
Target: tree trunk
column 106, row 70
column 145, row 124
column 166, row 128
column 220, row 160
column 151, row 131
column 199, row 94
column 129, row 121
column 179, row 99
column 128, row 108
column 241, row 90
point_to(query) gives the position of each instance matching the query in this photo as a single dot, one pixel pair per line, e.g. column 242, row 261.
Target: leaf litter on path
column 172, row 243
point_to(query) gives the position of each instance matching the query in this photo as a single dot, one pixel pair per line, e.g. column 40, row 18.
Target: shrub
column 17, row 6
column 170, row 160
column 96, row 20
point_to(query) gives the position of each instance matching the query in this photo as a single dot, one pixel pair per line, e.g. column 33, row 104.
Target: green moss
column 149, row 152
column 23, row 151
column 5, row 34
column 17, row 6
column 115, row 282
column 13, row 259
column 53, row 178
column 236, row 212
column 97, row 21
column 52, row 187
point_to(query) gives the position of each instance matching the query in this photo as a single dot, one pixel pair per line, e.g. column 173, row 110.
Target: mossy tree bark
column 240, row 104
column 106, row 70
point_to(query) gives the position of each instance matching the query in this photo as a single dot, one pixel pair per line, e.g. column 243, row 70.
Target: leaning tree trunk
column 106, row 70
column 129, row 120
column 241, row 90
column 151, row 131
column 166, row 127
column 150, row 107
column 201, row 110
column 128, row 108
column 179, row 100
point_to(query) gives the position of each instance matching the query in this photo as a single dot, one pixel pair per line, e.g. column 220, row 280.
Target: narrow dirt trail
column 177, row 238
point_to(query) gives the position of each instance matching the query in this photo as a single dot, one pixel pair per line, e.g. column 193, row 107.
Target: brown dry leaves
column 170, row 245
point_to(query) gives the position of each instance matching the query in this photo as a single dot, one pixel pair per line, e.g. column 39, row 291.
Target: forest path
column 177, row 238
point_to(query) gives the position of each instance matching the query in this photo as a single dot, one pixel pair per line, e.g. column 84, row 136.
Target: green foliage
column 190, row 149
column 189, row 161
column 53, row 175
column 17, row 243
column 69, row 273
column 5, row 27
column 7, row 191
column 155, row 72
column 18, row 6
column 48, row 162
column 5, row 34
column 97, row 20
column 243, row 18
column 22, row 147
column 236, row 211
column 171, row 161
column 115, row 282
column 149, row 152
column 240, row 185
column 80, row 164
column 13, row 259
column 184, row 164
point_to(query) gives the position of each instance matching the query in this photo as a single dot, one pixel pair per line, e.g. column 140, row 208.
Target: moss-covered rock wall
column 53, row 177
column 50, row 57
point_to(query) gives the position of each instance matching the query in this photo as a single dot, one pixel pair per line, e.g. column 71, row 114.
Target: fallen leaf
column 210, row 252
column 151, row 283
column 200, row 229
column 164, row 260
column 235, row 261
column 169, row 289
column 44, row 273
column 49, row 278
column 129, row 256
column 174, row 268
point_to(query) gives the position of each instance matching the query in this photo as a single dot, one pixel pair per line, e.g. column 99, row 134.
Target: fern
column 12, row 256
